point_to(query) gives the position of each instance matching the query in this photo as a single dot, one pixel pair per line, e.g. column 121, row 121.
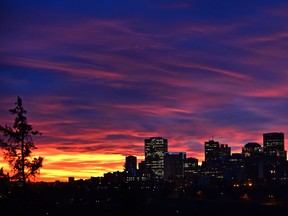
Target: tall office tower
column 274, row 157
column 174, row 164
column 274, row 146
column 254, row 165
column 141, row 166
column 155, row 147
column 191, row 168
column 130, row 165
column 237, row 167
column 211, row 151
column 224, row 151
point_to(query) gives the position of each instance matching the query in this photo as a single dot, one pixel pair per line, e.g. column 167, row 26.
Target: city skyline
column 163, row 147
column 97, row 78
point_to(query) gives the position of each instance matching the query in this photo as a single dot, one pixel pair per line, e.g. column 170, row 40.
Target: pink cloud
column 76, row 69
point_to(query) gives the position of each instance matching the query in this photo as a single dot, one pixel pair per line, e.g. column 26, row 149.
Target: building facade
column 273, row 146
column 131, row 165
column 174, row 165
column 254, row 161
column 155, row 147
column 275, row 163
column 211, row 151
column 224, row 152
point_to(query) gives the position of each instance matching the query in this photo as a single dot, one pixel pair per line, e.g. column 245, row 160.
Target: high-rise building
column 274, row 157
column 131, row 165
column 141, row 166
column 155, row 147
column 273, row 144
column 174, row 164
column 71, row 179
column 211, row 151
column 254, row 166
column 224, row 151
column 191, row 168
column 237, row 168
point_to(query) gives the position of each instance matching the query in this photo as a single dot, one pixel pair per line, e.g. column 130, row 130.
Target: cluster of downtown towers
column 254, row 164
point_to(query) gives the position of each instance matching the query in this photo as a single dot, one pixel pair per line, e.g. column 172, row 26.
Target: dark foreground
column 82, row 200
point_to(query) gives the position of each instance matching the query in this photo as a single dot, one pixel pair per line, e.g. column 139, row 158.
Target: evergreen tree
column 18, row 145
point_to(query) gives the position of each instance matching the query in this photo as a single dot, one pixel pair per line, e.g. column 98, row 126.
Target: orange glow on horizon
column 59, row 165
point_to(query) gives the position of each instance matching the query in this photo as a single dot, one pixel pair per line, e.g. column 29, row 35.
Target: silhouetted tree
column 18, row 145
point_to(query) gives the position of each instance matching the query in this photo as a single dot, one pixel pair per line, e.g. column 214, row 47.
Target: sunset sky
column 98, row 77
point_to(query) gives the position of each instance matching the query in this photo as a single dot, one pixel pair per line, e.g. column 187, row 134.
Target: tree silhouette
column 18, row 145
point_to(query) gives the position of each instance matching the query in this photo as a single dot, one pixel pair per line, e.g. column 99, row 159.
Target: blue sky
column 98, row 77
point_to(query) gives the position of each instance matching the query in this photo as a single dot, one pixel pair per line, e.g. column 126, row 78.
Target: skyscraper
column 130, row 165
column 174, row 164
column 274, row 156
column 216, row 158
column 155, row 147
column 224, row 151
column 211, row 151
column 273, row 146
column 191, row 167
column 254, row 163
